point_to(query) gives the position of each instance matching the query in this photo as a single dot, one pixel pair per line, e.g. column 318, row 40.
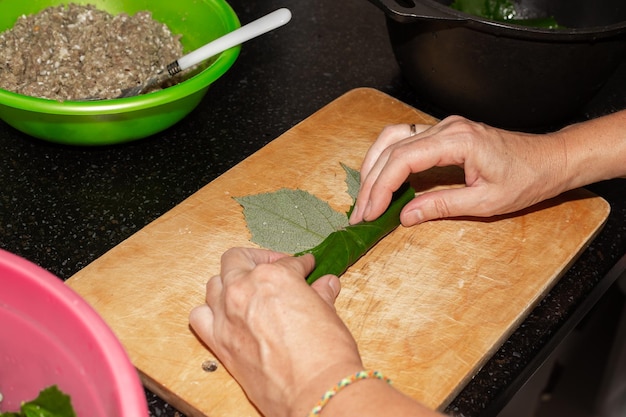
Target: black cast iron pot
column 504, row 74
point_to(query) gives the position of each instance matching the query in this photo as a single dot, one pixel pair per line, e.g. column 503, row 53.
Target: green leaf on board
column 295, row 221
column 353, row 181
column 343, row 248
column 289, row 220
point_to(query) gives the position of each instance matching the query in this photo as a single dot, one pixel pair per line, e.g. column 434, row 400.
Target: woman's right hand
column 504, row 171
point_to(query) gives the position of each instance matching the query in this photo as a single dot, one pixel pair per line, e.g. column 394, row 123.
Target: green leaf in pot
column 489, row 9
column 502, row 11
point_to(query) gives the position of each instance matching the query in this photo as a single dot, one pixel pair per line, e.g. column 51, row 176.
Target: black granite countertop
column 63, row 207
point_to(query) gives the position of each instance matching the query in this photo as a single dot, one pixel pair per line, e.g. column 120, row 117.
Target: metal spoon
column 253, row 29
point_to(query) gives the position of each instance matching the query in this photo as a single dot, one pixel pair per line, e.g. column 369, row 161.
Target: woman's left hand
column 279, row 337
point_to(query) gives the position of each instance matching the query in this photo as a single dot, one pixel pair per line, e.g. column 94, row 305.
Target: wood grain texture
column 428, row 305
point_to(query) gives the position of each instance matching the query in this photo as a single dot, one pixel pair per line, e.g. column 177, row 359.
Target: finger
column 388, row 136
column 328, row 288
column 375, row 194
column 201, row 321
column 410, row 156
column 238, row 261
column 361, row 204
column 300, row 265
column 214, row 288
column 376, row 157
column 466, row 201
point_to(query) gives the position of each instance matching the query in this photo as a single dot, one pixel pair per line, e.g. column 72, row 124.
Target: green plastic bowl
column 114, row 121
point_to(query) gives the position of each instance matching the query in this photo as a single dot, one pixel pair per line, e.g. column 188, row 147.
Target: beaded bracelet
column 341, row 385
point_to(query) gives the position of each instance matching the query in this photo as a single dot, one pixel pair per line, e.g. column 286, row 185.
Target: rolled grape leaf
column 342, row 248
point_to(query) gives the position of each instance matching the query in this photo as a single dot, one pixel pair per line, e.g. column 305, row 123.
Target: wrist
column 346, row 383
column 374, row 397
column 595, row 150
column 307, row 394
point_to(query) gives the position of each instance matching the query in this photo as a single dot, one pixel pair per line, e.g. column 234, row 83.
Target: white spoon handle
column 251, row 30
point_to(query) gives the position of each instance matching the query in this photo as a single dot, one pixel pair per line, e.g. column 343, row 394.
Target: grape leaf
column 342, row 248
column 353, row 181
column 297, row 222
column 51, row 402
column 289, row 220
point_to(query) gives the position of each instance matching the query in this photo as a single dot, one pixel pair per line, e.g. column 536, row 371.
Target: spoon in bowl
column 253, row 29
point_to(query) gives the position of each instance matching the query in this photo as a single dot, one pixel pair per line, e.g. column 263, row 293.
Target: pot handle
column 407, row 11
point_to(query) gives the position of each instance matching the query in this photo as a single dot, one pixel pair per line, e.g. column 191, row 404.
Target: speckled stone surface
column 63, row 207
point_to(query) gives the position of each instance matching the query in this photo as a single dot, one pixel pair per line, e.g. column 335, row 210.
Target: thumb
column 327, row 287
column 464, row 201
column 201, row 320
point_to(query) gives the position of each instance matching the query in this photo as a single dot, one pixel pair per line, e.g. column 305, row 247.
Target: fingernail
column 367, row 210
column 334, row 286
column 414, row 217
column 355, row 209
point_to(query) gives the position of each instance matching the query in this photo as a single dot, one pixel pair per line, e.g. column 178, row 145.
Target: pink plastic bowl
column 50, row 336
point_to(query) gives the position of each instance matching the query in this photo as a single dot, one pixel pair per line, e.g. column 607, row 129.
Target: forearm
column 595, row 150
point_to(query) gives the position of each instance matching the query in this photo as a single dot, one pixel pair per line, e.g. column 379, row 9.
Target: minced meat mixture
column 79, row 52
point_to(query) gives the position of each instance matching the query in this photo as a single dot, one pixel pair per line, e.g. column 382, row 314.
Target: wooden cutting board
column 428, row 305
